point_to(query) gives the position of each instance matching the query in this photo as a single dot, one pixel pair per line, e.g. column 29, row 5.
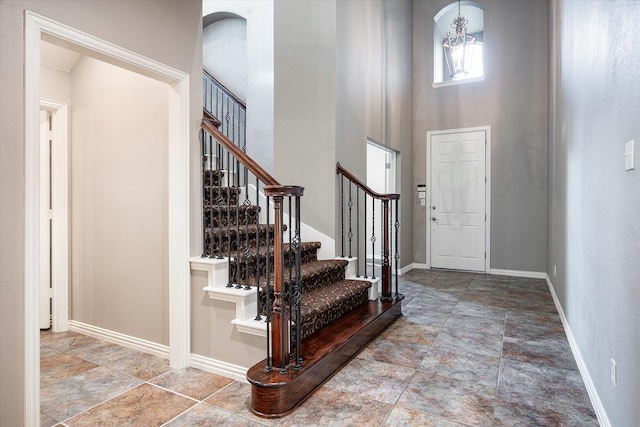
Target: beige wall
column 211, row 325
column 118, row 195
column 168, row 32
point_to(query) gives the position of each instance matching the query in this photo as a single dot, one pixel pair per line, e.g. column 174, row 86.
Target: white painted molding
column 415, row 265
column 217, row 270
column 37, row 27
column 60, row 210
column 603, row 419
column 457, row 82
column 251, row 327
column 219, row 367
column 120, row 339
column 518, row 273
column 245, row 300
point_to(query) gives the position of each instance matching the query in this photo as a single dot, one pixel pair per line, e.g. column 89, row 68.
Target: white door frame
column 37, row 26
column 60, row 210
column 487, row 223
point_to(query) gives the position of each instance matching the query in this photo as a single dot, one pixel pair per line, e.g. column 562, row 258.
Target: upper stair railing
column 236, row 229
column 228, row 108
column 360, row 200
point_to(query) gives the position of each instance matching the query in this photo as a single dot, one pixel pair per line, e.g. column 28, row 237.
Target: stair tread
column 304, row 246
column 328, row 296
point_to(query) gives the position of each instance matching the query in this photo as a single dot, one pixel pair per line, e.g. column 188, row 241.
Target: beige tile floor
column 469, row 350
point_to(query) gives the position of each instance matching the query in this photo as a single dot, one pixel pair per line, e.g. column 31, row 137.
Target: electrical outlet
column 614, row 374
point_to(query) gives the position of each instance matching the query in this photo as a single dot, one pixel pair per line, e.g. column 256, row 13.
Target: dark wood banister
column 385, row 198
column 256, row 169
column 226, row 89
column 272, row 188
column 363, row 186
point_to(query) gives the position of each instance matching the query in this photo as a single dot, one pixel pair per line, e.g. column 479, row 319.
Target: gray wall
column 374, row 93
column 513, row 100
column 305, row 105
column 169, row 32
column 594, row 231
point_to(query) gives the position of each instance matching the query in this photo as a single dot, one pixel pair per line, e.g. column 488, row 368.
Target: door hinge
column 485, row 255
column 485, row 179
column 50, row 213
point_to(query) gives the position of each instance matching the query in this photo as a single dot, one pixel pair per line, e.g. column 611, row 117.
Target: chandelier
column 458, row 47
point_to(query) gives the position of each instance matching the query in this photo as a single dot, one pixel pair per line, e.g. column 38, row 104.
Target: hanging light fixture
column 458, row 47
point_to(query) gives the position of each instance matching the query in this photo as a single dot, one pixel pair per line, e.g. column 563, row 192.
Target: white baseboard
column 518, row 273
column 415, row 265
column 121, row 339
column 582, row 367
column 225, row 369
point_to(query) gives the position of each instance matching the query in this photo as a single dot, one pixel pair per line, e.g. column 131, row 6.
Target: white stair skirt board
column 374, row 290
column 139, row 344
column 603, row 419
column 245, row 300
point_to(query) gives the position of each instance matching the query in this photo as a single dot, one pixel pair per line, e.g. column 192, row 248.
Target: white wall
column 594, row 231
column 55, row 85
column 118, row 195
column 259, row 94
column 224, row 54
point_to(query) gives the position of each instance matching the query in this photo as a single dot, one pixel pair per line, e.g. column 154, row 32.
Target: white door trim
column 37, row 26
column 487, row 130
column 60, row 210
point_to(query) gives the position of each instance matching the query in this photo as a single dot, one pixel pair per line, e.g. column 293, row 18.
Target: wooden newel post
column 279, row 314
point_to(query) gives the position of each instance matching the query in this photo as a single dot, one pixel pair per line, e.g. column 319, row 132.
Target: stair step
column 329, row 303
column 274, row 394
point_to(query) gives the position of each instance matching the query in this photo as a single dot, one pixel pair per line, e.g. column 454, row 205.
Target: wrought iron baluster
column 237, row 207
column 365, row 237
column 267, row 294
column 228, row 225
column 350, row 235
column 358, row 230
column 373, row 238
column 342, row 213
column 257, row 267
column 396, row 256
column 247, row 205
column 298, row 292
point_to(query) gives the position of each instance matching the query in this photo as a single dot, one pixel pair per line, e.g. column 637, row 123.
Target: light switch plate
column 629, row 155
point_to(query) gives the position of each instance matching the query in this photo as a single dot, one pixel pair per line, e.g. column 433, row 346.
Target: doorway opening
column 37, row 29
column 382, row 169
column 459, row 199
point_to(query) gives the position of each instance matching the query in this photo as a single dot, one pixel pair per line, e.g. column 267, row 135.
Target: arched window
column 451, row 24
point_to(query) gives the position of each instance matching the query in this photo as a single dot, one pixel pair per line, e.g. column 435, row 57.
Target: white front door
column 457, row 213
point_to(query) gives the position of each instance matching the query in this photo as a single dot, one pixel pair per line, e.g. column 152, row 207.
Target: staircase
column 326, row 295
column 318, row 313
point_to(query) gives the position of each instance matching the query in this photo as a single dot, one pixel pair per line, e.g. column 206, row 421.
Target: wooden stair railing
column 389, row 205
column 304, row 346
column 278, row 317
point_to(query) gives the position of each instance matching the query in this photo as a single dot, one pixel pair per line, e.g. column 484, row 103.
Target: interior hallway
column 470, row 350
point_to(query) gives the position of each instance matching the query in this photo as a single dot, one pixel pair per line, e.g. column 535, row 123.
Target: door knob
column 433, row 218
column 433, row 207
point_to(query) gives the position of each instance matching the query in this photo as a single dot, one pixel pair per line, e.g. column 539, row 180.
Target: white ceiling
column 58, row 57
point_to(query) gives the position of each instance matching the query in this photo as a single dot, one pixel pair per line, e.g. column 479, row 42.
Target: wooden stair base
column 275, row 395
